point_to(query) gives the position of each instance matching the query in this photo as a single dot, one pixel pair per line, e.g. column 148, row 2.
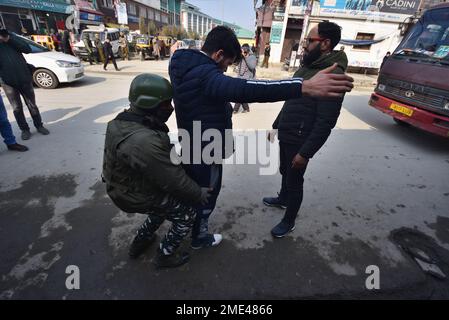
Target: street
column 373, row 185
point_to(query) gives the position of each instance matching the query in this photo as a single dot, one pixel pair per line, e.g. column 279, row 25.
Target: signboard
column 61, row 6
column 86, row 5
column 276, row 32
column 298, row 7
column 122, row 15
column 393, row 10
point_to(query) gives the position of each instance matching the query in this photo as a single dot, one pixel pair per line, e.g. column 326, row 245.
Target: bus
column 413, row 83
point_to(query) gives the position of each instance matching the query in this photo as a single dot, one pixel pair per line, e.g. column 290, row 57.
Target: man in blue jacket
column 203, row 93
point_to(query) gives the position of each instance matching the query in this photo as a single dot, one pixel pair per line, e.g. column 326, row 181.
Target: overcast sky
column 240, row 12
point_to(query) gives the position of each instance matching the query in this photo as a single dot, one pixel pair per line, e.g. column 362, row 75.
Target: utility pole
column 305, row 25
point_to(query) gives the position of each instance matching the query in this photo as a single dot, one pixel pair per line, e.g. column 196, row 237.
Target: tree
column 168, row 31
column 142, row 25
column 193, row 35
column 152, row 29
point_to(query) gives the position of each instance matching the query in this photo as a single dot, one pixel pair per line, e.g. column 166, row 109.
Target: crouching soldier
column 140, row 176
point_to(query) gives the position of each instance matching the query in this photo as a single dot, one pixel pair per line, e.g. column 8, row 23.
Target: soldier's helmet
column 148, row 90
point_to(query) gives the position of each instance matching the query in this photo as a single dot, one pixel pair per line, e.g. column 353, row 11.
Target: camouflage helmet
column 148, row 90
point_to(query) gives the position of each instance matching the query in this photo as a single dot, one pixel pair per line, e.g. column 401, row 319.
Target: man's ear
column 326, row 45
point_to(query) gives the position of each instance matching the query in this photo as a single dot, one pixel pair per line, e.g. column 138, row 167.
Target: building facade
column 173, row 8
column 370, row 28
column 32, row 17
column 193, row 20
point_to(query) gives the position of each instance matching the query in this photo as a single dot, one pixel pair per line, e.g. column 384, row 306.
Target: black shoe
column 43, row 131
column 139, row 246
column 274, row 202
column 105, row 69
column 170, row 261
column 282, row 229
column 17, row 147
column 210, row 240
column 26, row 135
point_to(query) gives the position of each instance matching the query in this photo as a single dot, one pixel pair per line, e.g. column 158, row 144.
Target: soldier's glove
column 205, row 195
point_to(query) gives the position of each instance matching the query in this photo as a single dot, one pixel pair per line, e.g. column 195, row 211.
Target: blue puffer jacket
column 201, row 92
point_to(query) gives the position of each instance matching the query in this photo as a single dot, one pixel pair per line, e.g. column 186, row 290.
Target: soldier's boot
column 139, row 245
column 170, row 261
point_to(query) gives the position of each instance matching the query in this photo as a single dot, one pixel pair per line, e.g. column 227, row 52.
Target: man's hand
column 327, row 85
column 299, row 162
column 205, row 195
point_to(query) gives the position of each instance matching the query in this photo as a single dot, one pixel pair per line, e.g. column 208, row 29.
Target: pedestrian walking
column 124, row 46
column 109, row 54
column 100, row 49
column 246, row 69
column 89, row 49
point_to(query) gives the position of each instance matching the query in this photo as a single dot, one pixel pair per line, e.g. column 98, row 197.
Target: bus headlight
column 446, row 106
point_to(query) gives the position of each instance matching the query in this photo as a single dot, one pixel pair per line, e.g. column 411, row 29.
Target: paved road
column 374, row 185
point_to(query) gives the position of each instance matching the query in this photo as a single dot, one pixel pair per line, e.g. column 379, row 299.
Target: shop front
column 34, row 17
column 88, row 13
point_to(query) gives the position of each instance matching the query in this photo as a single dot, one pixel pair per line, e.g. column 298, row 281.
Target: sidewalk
column 135, row 67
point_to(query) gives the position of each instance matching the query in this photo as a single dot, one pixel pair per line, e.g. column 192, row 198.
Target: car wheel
column 400, row 122
column 45, row 79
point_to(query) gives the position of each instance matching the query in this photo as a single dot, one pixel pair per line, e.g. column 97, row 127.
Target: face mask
column 164, row 114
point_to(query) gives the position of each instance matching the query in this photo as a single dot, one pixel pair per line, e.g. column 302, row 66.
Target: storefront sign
column 61, row 6
column 122, row 15
column 276, row 32
column 391, row 10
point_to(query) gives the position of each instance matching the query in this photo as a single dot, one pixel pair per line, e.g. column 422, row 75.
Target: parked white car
column 50, row 68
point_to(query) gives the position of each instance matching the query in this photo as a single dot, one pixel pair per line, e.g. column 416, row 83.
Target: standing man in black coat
column 109, row 54
column 16, row 81
column 304, row 124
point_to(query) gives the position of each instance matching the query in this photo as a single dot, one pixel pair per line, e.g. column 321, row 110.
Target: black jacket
column 307, row 122
column 107, row 49
column 14, row 69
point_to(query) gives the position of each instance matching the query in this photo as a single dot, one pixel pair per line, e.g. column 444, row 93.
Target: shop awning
column 117, row 26
column 60, row 6
column 360, row 42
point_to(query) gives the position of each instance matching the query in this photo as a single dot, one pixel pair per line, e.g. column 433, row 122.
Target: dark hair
column 246, row 48
column 331, row 31
column 223, row 38
column 4, row 33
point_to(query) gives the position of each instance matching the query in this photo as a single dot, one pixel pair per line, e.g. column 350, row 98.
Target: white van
column 51, row 67
column 113, row 34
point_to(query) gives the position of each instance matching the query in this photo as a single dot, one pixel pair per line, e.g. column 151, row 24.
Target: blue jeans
column 5, row 126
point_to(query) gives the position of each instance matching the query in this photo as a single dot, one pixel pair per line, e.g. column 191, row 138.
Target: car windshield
column 92, row 35
column 142, row 40
column 429, row 38
column 35, row 47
